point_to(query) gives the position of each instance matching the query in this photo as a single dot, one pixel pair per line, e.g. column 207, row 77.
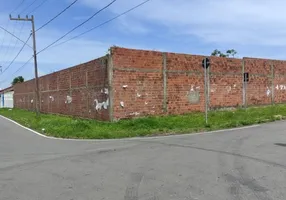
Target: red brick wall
column 259, row 81
column 84, row 83
column 142, row 72
column 279, row 81
column 154, row 83
column 137, row 83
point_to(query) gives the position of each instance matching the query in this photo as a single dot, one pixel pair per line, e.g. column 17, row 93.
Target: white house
column 7, row 98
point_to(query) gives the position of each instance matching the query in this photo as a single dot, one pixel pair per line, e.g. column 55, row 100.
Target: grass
column 68, row 127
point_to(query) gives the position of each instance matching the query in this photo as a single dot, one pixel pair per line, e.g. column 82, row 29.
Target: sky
column 254, row 28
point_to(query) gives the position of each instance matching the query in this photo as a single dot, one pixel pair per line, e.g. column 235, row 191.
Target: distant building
column 7, row 98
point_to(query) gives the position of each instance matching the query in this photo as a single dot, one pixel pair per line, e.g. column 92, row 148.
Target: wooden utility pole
column 31, row 19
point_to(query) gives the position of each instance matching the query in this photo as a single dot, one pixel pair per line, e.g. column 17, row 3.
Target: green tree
column 18, row 79
column 231, row 52
column 218, row 53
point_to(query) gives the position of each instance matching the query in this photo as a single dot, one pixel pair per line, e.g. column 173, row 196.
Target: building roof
column 9, row 89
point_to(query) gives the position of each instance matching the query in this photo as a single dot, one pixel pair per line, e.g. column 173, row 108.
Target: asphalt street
column 240, row 164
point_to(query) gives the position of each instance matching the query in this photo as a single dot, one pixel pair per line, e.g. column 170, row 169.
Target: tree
column 18, row 79
column 231, row 52
column 216, row 53
column 227, row 54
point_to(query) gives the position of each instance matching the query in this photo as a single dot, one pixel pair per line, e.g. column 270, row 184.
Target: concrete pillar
column 165, row 107
column 110, row 86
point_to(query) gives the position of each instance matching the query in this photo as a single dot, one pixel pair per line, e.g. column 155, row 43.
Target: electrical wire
column 7, row 49
column 110, row 20
column 106, row 22
column 37, row 7
column 57, row 15
column 17, row 55
column 1, row 47
column 16, row 42
column 20, row 68
column 3, row 38
column 18, row 6
column 27, row 7
column 77, row 26
column 14, row 36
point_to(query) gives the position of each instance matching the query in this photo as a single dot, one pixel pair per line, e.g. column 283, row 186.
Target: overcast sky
column 255, row 28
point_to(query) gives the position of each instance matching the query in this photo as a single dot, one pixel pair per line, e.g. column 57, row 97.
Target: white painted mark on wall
column 122, row 104
column 101, row 105
column 280, row 87
column 213, row 88
column 134, row 114
column 268, row 92
column 228, row 89
column 193, row 95
column 105, row 91
column 52, row 98
column 68, row 100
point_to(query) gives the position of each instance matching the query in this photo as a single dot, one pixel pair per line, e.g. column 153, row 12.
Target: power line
column 18, row 6
column 27, row 7
column 57, row 15
column 77, row 26
column 106, row 22
column 37, row 7
column 10, row 43
column 16, row 42
column 2, row 43
column 3, row 39
column 17, row 54
column 14, row 36
column 20, row 68
column 117, row 16
column 23, row 66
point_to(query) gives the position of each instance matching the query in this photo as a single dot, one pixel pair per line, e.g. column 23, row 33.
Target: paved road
column 231, row 165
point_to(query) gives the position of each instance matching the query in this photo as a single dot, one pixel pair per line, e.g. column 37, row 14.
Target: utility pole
column 31, row 19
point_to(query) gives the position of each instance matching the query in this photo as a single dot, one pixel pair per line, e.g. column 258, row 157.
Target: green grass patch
column 69, row 127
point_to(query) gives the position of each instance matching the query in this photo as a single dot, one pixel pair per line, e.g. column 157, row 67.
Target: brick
column 138, row 82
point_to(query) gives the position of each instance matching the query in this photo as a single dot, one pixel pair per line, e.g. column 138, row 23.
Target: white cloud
column 253, row 27
column 131, row 26
column 221, row 21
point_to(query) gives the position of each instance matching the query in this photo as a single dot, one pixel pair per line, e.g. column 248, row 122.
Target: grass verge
column 68, row 127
